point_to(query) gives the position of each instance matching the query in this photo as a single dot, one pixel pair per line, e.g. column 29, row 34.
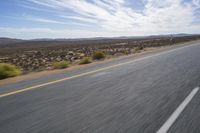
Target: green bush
column 60, row 64
column 125, row 52
column 138, row 49
column 98, row 55
column 85, row 60
column 8, row 70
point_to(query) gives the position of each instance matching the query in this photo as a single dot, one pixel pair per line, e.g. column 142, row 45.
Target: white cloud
column 44, row 20
column 166, row 15
column 114, row 17
column 43, row 3
column 30, row 33
column 83, row 19
column 196, row 2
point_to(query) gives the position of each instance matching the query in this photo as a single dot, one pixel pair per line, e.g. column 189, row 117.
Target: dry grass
column 60, row 65
column 85, row 60
column 98, row 55
column 8, row 70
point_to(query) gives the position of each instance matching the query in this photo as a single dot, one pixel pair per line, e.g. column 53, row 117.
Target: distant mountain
column 4, row 41
column 46, row 42
column 183, row 34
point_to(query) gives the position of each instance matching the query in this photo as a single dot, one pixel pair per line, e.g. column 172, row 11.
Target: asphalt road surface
column 156, row 93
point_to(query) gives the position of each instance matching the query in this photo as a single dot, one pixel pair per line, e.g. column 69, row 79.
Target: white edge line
column 165, row 127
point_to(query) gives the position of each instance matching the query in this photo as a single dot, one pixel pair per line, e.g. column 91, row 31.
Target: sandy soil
column 145, row 52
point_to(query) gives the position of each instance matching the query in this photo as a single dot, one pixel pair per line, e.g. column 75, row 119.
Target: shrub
column 138, row 49
column 85, row 60
column 98, row 55
column 8, row 70
column 125, row 52
column 60, row 64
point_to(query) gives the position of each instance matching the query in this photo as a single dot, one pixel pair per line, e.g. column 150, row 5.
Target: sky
column 30, row 19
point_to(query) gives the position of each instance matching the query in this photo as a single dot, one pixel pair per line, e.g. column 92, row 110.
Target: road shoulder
column 143, row 53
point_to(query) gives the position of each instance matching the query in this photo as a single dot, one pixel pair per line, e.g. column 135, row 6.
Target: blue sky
column 30, row 19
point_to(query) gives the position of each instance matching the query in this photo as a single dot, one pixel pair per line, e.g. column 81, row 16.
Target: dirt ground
column 144, row 52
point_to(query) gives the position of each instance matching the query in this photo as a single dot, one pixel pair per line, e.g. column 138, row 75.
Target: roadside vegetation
column 8, row 70
column 138, row 49
column 98, row 55
column 85, row 60
column 60, row 65
column 53, row 55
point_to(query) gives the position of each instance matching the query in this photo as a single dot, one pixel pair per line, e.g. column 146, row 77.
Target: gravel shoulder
column 145, row 52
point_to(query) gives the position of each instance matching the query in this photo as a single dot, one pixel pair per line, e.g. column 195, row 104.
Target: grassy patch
column 8, row 70
column 60, row 65
column 98, row 55
column 85, row 60
column 125, row 52
column 137, row 49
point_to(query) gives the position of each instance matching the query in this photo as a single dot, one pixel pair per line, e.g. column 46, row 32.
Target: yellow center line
column 64, row 79
column 84, row 74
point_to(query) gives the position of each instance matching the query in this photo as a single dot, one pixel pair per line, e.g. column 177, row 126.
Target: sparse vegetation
column 8, row 70
column 98, row 55
column 60, row 65
column 85, row 60
column 126, row 52
column 138, row 49
column 33, row 56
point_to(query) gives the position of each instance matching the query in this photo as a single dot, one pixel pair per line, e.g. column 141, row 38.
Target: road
column 123, row 96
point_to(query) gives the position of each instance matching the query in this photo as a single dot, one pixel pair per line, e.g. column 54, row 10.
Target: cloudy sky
column 29, row 19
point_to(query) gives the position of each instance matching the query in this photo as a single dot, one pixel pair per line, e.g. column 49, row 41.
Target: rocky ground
column 36, row 59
